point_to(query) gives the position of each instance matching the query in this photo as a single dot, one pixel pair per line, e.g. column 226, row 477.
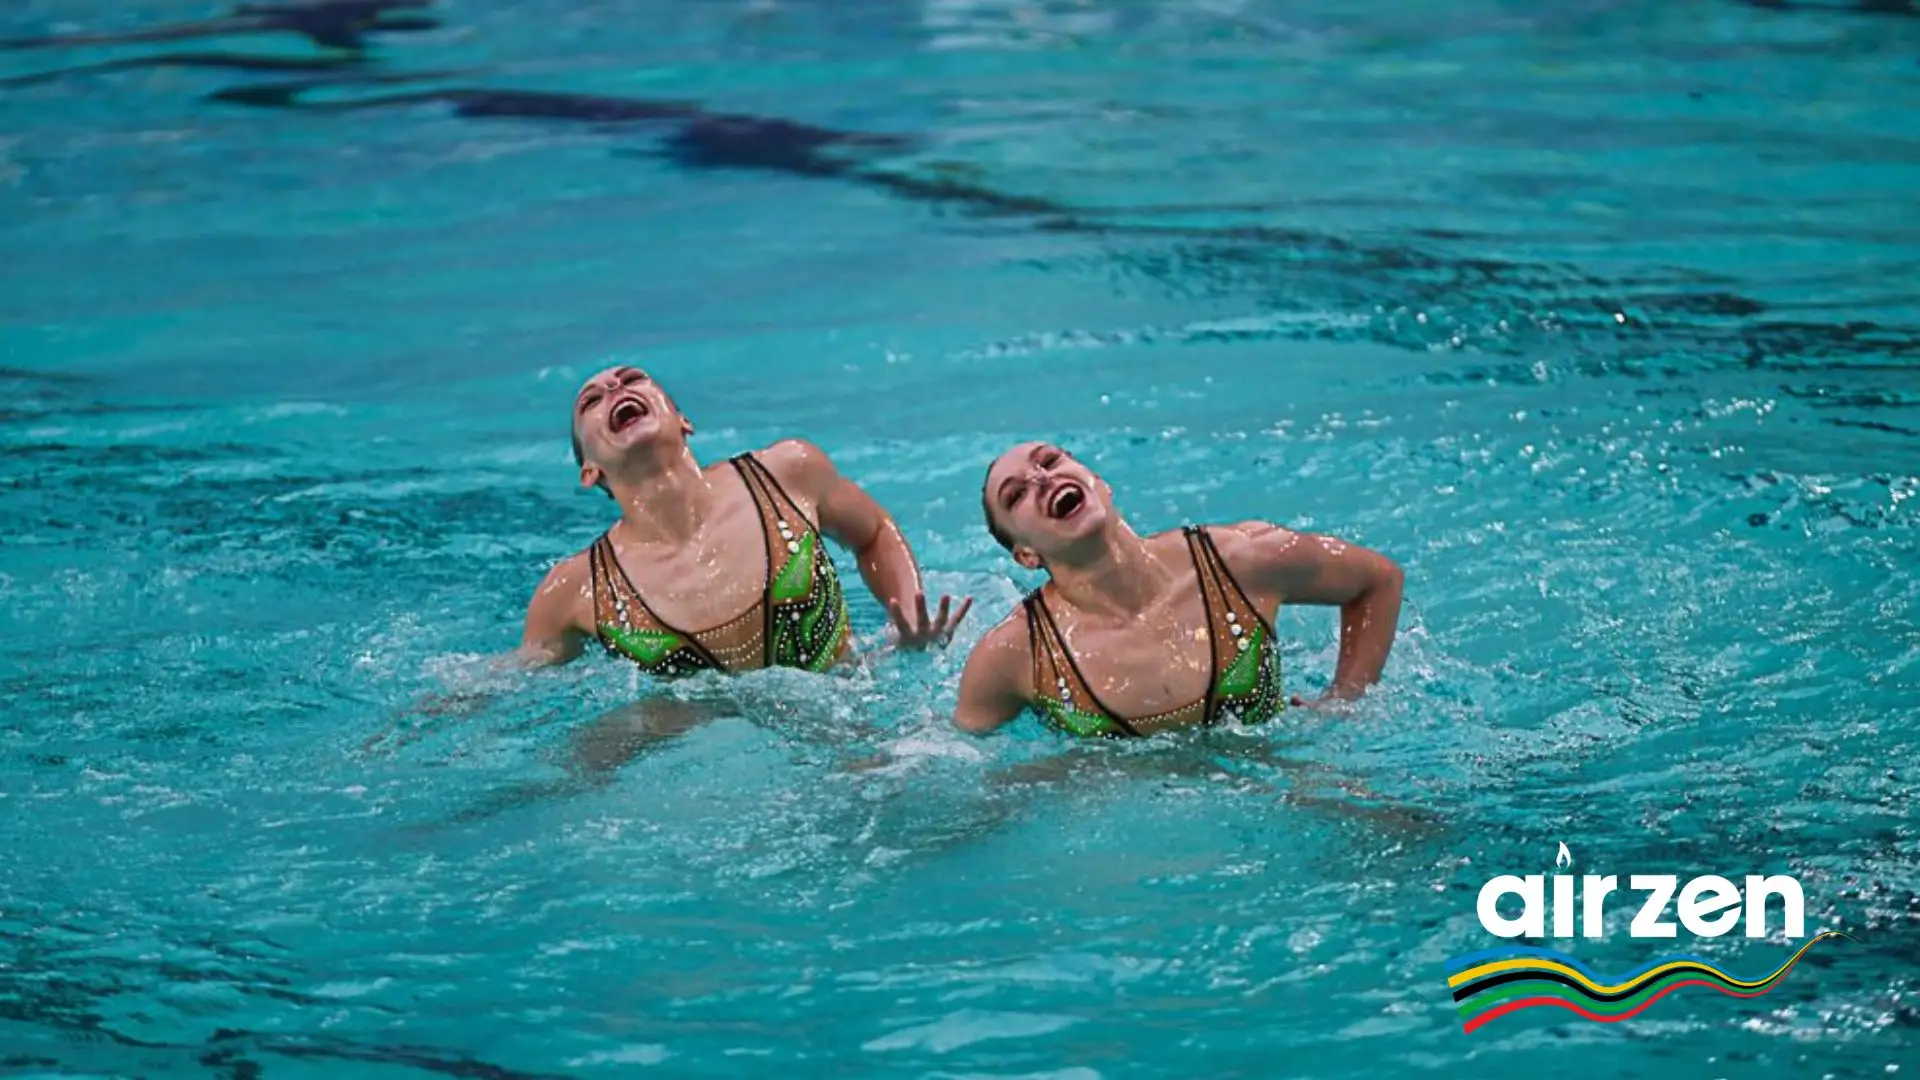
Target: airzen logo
column 1492, row 983
column 1709, row 906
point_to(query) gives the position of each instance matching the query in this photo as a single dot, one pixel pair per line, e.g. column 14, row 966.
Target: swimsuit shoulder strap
column 1243, row 673
column 1237, row 600
column 1055, row 672
column 761, row 487
column 1212, row 602
column 1042, row 645
column 618, row 601
column 605, row 590
column 768, row 494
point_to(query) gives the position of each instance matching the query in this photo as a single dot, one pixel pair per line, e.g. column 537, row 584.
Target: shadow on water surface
column 328, row 24
column 215, row 60
column 342, row 27
column 1649, row 313
column 41, row 987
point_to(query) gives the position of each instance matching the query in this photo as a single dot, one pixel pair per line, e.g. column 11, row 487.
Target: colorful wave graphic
column 1497, row 982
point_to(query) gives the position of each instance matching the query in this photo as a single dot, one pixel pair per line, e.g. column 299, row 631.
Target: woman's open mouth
column 1067, row 501
column 625, row 413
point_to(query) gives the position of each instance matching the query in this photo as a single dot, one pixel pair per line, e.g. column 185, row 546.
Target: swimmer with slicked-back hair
column 720, row 567
column 1135, row 635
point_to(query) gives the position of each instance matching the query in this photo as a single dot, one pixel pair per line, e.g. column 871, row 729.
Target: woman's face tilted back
column 1040, row 503
column 619, row 412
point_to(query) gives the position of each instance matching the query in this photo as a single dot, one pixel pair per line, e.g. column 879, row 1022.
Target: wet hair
column 986, row 507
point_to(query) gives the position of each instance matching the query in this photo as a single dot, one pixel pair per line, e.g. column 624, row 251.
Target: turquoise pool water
column 1601, row 319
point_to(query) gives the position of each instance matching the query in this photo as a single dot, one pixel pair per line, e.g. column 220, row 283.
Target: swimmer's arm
column 557, row 616
column 556, row 632
column 854, row 520
column 1308, row 568
column 994, row 684
column 558, row 625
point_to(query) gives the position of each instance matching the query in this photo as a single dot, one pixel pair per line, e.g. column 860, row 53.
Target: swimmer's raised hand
column 856, row 521
column 920, row 630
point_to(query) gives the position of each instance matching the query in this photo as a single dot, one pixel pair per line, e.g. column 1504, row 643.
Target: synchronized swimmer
column 1134, row 635
column 726, row 568
column 720, row 567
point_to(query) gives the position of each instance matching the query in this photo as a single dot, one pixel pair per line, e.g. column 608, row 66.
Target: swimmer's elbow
column 549, row 639
column 972, row 723
column 1389, row 578
column 981, row 715
column 543, row 653
column 992, row 690
column 554, row 631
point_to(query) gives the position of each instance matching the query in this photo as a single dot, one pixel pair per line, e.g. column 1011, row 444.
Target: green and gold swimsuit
column 800, row 620
column 1246, row 685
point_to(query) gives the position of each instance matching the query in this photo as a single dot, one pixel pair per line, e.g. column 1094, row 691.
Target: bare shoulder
column 1004, row 654
column 1269, row 543
column 1238, row 531
column 560, row 615
column 1235, row 541
column 1008, row 637
column 1254, row 551
column 565, row 594
column 574, row 567
column 800, row 466
column 997, row 681
column 1249, row 539
column 1300, row 566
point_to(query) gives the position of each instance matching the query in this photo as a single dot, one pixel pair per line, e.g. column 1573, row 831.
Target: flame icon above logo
column 1565, row 858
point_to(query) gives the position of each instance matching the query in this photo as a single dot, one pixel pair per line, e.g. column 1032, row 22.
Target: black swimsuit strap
column 594, row 570
column 771, row 485
column 1056, row 645
column 1224, row 576
column 633, row 591
column 1196, row 545
column 1035, row 639
column 751, row 476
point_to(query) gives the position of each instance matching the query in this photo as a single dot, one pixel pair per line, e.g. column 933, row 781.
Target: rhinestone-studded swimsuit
column 800, row 620
column 1246, row 662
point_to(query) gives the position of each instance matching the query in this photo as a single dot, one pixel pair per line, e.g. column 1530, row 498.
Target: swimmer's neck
column 663, row 499
column 1117, row 579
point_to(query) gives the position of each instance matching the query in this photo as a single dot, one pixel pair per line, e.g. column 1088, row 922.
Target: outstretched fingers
column 923, row 627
